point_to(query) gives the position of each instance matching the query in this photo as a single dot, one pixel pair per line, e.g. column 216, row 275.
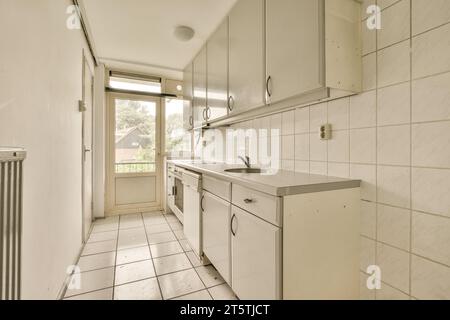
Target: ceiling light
column 184, row 33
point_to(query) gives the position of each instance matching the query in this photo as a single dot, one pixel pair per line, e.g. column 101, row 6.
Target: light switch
column 325, row 132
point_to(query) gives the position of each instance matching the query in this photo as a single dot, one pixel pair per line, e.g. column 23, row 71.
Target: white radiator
column 11, row 175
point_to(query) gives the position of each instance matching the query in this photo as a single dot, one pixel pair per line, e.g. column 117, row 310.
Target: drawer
column 220, row 188
column 262, row 205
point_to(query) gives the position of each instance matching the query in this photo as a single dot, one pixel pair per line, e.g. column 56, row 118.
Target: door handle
column 230, row 103
column 231, row 225
column 201, row 203
column 268, row 85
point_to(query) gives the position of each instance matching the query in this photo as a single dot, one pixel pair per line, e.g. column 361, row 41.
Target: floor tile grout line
column 153, row 263
column 115, row 261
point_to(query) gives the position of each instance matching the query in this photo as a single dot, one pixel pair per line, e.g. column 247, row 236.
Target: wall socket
column 325, row 132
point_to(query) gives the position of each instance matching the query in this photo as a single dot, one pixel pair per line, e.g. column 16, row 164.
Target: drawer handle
column 247, row 201
column 231, row 225
column 201, row 203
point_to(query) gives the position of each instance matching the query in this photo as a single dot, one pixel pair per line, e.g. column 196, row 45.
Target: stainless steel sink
column 244, row 170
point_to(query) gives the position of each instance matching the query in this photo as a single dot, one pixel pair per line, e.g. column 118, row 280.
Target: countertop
column 279, row 183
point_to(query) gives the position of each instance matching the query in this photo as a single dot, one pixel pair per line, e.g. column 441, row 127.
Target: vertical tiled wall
column 395, row 136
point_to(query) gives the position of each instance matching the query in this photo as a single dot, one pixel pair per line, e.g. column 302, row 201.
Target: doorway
column 87, row 141
column 134, row 162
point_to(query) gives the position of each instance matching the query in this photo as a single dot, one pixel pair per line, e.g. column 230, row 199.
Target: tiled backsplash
column 395, row 136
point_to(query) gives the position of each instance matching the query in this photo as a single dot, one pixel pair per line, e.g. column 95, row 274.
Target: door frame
column 85, row 63
column 111, row 208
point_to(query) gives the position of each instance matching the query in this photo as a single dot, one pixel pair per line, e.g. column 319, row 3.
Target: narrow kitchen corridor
column 143, row 257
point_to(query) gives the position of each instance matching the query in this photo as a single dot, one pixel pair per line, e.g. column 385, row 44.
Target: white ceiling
column 139, row 33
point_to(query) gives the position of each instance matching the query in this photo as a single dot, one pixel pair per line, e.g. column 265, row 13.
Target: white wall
column 40, row 85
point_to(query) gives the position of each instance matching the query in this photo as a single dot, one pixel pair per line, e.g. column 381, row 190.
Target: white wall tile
column 394, row 104
column 368, row 255
column 318, row 116
column 363, row 146
column 394, row 226
column 302, row 120
column 368, row 219
column 394, row 264
column 302, row 147
column 429, row 280
column 430, row 52
column 288, row 165
column 288, row 123
column 369, row 39
column 431, row 98
column 288, row 147
column 394, row 64
column 394, row 186
column 364, row 292
column 426, row 16
column 341, row 170
column 385, row 3
column 318, row 148
column 431, row 237
column 431, row 144
column 395, row 24
column 364, row 6
column 363, row 110
column 338, row 147
column 394, row 145
column 366, row 173
column 276, row 124
column 389, row 293
column 317, row 167
column 338, row 113
column 430, row 190
column 302, row 166
column 369, row 66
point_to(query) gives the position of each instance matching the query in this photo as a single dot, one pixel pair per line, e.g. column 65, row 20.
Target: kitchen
column 247, row 150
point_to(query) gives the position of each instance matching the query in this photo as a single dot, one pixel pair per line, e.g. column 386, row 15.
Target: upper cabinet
column 199, row 86
column 218, row 73
column 188, row 120
column 295, row 53
column 313, row 50
column 277, row 54
column 246, row 64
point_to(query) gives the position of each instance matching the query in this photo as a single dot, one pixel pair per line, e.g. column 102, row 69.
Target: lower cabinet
column 255, row 257
column 216, row 233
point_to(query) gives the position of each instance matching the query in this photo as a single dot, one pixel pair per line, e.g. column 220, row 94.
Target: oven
column 175, row 197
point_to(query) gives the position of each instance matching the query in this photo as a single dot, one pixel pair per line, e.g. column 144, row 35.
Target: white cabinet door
column 187, row 98
column 247, row 72
column 218, row 73
column 192, row 226
column 199, row 94
column 216, row 233
column 295, row 47
column 256, row 257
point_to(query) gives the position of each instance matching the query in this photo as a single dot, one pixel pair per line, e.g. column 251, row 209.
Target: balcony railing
column 135, row 167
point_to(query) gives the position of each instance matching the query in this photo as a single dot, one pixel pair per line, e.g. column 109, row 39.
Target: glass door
column 134, row 157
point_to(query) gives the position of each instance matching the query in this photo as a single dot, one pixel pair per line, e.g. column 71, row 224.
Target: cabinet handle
column 268, row 85
column 191, row 121
column 231, row 225
column 247, row 201
column 174, row 191
column 204, row 114
column 208, row 113
column 201, row 203
column 230, row 103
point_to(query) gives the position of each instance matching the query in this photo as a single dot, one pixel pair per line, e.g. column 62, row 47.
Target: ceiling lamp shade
column 184, row 33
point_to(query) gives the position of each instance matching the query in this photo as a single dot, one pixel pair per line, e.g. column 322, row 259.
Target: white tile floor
column 144, row 257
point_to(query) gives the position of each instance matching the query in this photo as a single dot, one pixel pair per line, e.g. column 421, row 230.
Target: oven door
column 178, row 198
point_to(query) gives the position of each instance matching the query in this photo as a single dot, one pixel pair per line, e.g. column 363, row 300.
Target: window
column 135, row 85
column 135, row 136
column 178, row 140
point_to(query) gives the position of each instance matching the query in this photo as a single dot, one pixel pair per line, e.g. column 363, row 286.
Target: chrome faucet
column 246, row 161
